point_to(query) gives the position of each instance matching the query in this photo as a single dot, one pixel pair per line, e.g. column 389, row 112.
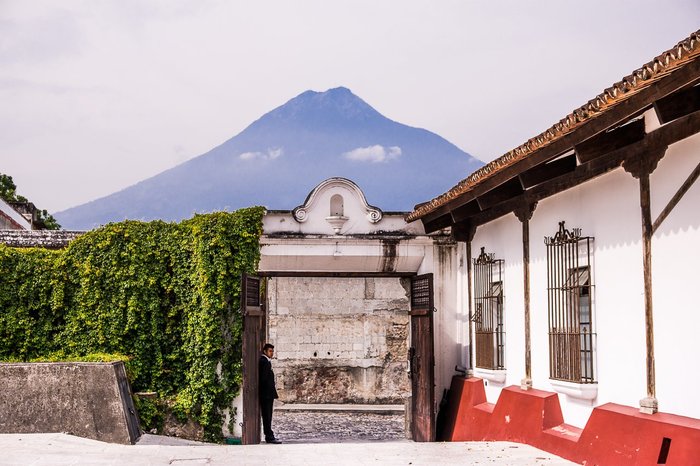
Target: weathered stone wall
column 339, row 340
column 90, row 400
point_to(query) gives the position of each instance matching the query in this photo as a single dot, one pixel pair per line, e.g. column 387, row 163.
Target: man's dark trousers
column 267, row 394
column 266, row 413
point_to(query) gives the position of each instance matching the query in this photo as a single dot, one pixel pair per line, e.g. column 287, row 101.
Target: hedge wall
column 165, row 295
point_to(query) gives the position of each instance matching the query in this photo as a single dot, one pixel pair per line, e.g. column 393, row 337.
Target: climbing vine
column 165, row 295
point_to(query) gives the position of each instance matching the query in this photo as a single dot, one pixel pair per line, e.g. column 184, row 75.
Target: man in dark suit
column 267, row 392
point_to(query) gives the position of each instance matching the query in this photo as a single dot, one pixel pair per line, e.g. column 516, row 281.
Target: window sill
column 582, row 391
column 495, row 376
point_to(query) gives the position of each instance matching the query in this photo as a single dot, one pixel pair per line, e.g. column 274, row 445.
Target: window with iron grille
column 569, row 285
column 488, row 312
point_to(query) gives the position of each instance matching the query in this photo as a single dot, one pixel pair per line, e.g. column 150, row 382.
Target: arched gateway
column 336, row 233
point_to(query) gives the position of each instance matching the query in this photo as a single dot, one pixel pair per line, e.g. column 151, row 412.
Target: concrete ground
column 64, row 449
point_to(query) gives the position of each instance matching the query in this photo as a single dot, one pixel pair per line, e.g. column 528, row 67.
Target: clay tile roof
column 684, row 52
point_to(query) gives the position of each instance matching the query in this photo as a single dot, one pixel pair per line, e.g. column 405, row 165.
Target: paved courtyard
column 332, row 426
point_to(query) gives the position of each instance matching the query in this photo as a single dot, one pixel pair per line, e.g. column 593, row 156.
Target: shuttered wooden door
column 253, row 335
column 422, row 359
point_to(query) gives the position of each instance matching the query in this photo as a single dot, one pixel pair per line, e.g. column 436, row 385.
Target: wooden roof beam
column 507, row 190
column 677, row 105
column 610, row 140
column 547, row 171
column 437, row 223
column 467, row 210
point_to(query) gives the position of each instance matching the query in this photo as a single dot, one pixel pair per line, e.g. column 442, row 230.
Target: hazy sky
column 97, row 95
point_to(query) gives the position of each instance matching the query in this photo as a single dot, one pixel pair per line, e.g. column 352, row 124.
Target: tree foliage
column 166, row 295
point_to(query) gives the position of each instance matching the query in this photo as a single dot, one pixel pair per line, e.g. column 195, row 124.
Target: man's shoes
column 273, row 440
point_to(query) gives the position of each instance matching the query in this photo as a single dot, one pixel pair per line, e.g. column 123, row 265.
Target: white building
column 582, row 308
column 11, row 219
column 553, row 290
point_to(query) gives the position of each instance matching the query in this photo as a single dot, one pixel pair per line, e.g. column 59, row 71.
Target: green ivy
column 151, row 413
column 165, row 295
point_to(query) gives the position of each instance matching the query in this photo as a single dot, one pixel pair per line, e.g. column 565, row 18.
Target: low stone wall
column 90, row 400
column 339, row 340
column 48, row 239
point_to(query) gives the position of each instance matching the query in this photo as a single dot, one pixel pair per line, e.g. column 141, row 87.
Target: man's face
column 269, row 352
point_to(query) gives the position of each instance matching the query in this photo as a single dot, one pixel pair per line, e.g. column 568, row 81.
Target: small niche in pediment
column 336, row 205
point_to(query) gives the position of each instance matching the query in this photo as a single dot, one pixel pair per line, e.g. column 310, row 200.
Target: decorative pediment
column 335, row 202
column 335, row 230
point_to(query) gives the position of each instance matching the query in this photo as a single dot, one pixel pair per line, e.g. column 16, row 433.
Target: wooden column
column 641, row 165
column 649, row 403
column 524, row 214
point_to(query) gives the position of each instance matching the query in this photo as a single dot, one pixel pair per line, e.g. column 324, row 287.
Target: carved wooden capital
column 525, row 210
column 644, row 161
column 464, row 232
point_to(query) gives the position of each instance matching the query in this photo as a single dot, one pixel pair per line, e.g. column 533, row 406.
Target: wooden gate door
column 422, row 359
column 253, row 336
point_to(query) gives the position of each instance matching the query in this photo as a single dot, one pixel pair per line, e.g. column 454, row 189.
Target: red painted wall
column 614, row 434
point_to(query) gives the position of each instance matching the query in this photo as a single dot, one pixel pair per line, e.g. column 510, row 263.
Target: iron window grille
column 488, row 314
column 569, row 285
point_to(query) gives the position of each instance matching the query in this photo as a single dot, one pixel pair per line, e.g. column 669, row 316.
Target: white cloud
column 271, row 154
column 274, row 153
column 249, row 155
column 374, row 154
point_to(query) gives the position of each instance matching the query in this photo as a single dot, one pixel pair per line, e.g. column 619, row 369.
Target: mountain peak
column 277, row 159
column 333, row 105
column 333, row 92
column 336, row 93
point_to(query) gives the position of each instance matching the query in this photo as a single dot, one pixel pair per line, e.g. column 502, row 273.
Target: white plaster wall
column 449, row 318
column 340, row 254
column 606, row 208
column 462, row 306
column 675, row 259
column 449, row 333
column 283, row 222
